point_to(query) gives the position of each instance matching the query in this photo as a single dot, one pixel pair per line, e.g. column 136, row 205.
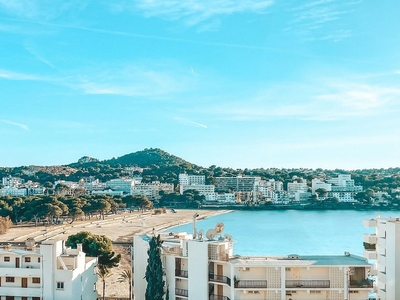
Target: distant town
column 154, row 178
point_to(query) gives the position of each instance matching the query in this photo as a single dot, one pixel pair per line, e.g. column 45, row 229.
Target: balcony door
column 24, row 282
column 17, row 262
column 220, row 288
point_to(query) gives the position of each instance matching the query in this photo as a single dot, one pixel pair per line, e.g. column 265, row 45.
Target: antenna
column 210, row 234
column 219, row 228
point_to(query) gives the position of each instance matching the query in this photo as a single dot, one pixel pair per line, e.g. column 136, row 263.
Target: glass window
column 27, row 259
column 6, row 258
column 35, row 279
column 10, row 279
column 60, row 285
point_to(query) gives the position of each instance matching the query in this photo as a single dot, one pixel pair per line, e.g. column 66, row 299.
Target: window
column 27, row 259
column 35, row 279
column 60, row 285
column 38, row 259
column 24, row 298
column 6, row 258
column 35, row 298
column 10, row 279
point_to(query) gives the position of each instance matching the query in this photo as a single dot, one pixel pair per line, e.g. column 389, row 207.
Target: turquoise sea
column 293, row 231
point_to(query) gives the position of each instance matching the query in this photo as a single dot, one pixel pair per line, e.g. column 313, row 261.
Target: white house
column 51, row 271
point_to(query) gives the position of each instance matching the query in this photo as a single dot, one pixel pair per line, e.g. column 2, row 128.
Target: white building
column 205, row 268
column 152, row 190
column 203, row 189
column 296, row 187
column 50, row 272
column 121, row 184
column 12, row 181
column 185, row 179
column 319, row 184
column 384, row 247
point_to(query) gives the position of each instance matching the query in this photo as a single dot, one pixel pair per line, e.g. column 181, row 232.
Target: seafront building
column 51, row 271
column 384, row 248
column 203, row 266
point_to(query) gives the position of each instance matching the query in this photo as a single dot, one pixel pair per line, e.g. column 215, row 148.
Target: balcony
column 370, row 238
column 181, row 292
column 307, row 284
column 219, row 279
column 251, row 284
column 370, row 254
column 23, row 292
column 362, row 284
column 216, row 297
column 181, row 273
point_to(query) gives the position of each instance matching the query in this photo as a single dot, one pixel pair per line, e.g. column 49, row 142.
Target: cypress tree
column 154, row 271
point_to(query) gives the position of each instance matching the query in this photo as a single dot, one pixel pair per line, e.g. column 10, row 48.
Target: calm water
column 293, row 231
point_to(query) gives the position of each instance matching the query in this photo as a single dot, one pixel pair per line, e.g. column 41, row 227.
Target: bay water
column 286, row 232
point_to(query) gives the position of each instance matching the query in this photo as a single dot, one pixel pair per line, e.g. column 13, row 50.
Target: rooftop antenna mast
column 194, row 225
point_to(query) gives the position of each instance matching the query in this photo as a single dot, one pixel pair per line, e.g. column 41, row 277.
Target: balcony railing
column 217, row 297
column 307, row 284
column 181, row 273
column 251, row 284
column 362, row 284
column 181, row 292
column 219, row 278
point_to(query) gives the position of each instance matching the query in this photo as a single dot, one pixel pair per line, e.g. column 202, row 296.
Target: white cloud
column 20, row 125
column 42, row 9
column 319, row 100
column 193, row 12
column 6, row 74
column 187, row 121
column 313, row 20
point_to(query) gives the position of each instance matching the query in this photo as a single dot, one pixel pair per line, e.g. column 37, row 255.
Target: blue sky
column 267, row 83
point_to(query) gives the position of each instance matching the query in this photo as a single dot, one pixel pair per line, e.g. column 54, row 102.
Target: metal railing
column 251, row 284
column 181, row 273
column 362, row 284
column 307, row 284
column 217, row 297
column 219, row 278
column 181, row 292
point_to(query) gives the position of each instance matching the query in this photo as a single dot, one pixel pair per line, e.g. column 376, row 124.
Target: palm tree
column 126, row 276
column 103, row 272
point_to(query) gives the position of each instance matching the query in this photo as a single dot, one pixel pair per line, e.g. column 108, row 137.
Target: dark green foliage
column 95, row 245
column 154, row 271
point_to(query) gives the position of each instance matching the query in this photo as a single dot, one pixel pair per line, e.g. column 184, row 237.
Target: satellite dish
column 201, row 234
column 210, row 234
column 219, row 228
column 228, row 237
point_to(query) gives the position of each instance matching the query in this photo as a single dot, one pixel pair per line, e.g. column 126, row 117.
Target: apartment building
column 384, row 248
column 236, row 184
column 185, row 179
column 152, row 190
column 341, row 187
column 204, row 267
column 121, row 184
column 51, row 271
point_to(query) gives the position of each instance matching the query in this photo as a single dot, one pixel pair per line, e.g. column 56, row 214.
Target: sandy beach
column 119, row 228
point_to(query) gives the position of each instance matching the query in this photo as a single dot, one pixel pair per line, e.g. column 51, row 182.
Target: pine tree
column 154, row 271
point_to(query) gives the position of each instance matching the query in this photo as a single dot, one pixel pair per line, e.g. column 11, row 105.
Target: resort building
column 204, row 266
column 152, row 190
column 121, row 184
column 185, row 179
column 384, row 248
column 237, row 184
column 49, row 272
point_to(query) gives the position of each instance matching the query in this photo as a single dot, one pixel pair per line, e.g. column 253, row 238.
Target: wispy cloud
column 193, row 12
column 190, row 122
column 43, row 10
column 322, row 100
column 313, row 20
column 30, row 49
column 10, row 75
column 20, row 125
